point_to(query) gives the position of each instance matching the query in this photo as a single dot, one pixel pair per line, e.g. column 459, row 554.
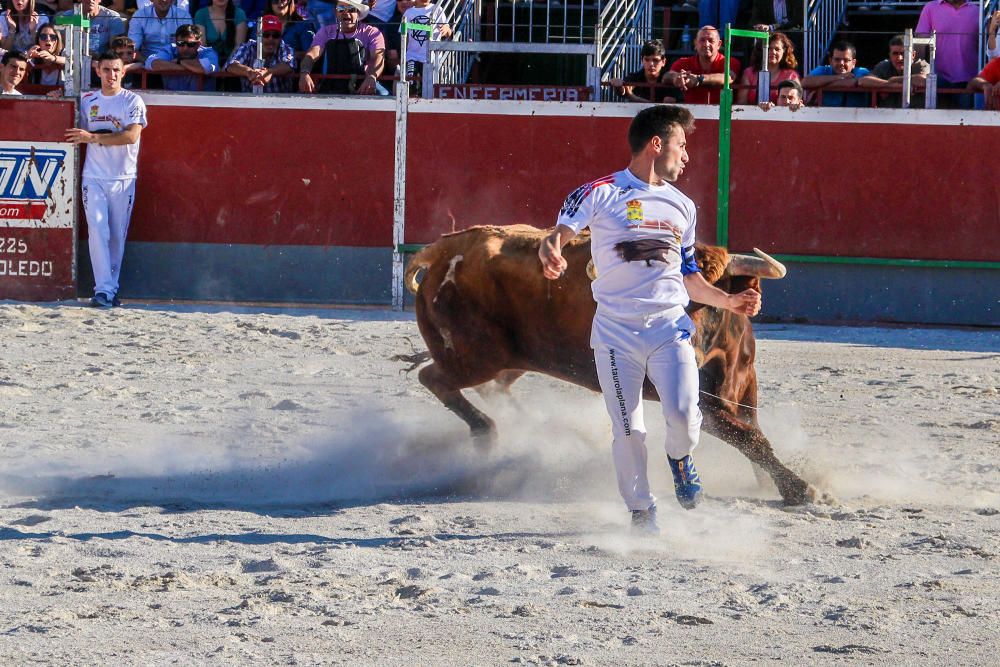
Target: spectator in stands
column 152, row 27
column 654, row 74
column 279, row 60
column 957, row 58
column 775, row 15
column 253, row 9
column 19, row 24
column 104, row 24
column 124, row 48
column 186, row 56
column 718, row 12
column 46, row 57
column 889, row 73
column 224, row 26
column 790, row 95
column 348, row 47
column 840, row 76
column 781, row 64
column 296, row 31
column 183, row 5
column 992, row 48
column 15, row 65
column 423, row 13
column 386, row 15
column 988, row 83
column 702, row 75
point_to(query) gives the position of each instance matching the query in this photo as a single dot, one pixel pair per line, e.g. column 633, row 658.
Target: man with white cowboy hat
column 368, row 40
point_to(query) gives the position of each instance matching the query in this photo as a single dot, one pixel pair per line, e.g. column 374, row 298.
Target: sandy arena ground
column 194, row 485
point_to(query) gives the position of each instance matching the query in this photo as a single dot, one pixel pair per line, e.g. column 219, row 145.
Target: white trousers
column 108, row 205
column 626, row 352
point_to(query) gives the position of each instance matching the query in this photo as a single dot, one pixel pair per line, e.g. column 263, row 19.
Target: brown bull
column 487, row 313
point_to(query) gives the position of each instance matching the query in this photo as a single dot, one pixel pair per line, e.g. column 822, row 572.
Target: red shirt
column 701, row 95
column 992, row 71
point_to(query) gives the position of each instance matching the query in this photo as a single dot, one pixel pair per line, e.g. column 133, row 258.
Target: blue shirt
column 103, row 27
column 833, row 98
column 208, row 58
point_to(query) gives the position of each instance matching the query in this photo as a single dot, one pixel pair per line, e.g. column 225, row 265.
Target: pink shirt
column 783, row 75
column 957, row 38
column 369, row 36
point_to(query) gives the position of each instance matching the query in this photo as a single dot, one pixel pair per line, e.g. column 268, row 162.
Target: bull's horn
column 591, row 270
column 762, row 266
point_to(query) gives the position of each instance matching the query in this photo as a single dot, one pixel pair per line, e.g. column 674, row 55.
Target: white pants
column 108, row 205
column 626, row 352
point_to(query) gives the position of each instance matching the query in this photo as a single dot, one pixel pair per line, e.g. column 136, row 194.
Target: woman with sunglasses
column 19, row 24
column 225, row 26
column 297, row 32
column 47, row 60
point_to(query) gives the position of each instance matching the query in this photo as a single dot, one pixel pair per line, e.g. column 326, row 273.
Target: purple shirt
column 957, row 38
column 369, row 36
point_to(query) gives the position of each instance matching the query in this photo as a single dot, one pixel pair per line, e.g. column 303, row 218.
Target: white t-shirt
column 101, row 113
column 416, row 43
column 618, row 208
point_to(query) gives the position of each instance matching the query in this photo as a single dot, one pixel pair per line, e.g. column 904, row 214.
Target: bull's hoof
column 485, row 438
column 801, row 492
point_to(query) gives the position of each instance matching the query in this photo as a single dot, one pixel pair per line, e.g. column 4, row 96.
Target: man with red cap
column 279, row 60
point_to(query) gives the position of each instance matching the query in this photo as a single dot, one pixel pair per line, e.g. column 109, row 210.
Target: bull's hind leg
column 484, row 430
column 752, row 443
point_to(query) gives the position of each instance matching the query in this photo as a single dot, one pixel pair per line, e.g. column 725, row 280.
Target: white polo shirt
column 620, row 207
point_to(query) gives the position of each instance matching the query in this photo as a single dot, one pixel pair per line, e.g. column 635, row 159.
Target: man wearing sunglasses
column 279, row 60
column 153, row 26
column 185, row 62
column 358, row 38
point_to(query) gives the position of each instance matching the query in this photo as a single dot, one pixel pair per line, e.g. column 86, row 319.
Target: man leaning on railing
column 279, row 60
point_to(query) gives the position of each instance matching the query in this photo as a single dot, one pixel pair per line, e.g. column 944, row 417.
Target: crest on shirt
column 94, row 110
column 633, row 210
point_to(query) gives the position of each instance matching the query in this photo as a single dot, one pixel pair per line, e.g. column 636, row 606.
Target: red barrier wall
column 866, row 190
column 34, row 120
column 503, row 169
column 265, row 176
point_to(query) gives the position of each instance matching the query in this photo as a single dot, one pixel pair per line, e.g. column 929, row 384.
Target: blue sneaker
column 102, row 301
column 644, row 521
column 687, row 484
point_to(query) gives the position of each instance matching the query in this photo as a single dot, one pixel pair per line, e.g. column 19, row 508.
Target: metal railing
column 464, row 17
column 822, row 19
column 622, row 28
column 561, row 21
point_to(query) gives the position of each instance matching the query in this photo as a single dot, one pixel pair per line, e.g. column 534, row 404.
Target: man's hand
column 746, row 303
column 550, row 254
column 306, row 83
column 367, row 86
column 75, row 135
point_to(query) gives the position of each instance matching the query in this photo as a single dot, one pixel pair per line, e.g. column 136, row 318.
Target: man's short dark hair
column 107, row 55
column 791, row 83
column 188, row 30
column 122, row 41
column 843, row 45
column 898, row 40
column 14, row 55
column 657, row 121
column 653, row 47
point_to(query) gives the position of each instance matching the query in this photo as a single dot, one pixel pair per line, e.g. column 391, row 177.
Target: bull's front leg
column 484, row 430
column 752, row 443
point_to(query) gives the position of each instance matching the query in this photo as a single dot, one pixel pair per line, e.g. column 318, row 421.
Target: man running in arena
column 112, row 120
column 642, row 242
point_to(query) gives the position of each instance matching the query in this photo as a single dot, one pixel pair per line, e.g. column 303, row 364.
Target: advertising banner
column 37, row 221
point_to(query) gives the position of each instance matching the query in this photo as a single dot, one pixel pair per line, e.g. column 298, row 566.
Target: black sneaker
column 102, row 301
column 116, row 302
column 644, row 521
